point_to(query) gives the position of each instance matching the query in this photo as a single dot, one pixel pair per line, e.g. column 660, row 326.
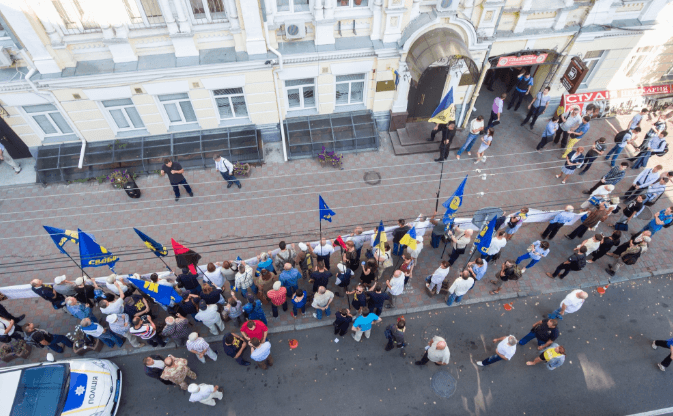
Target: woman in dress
column 350, row 257
column 573, row 161
column 485, row 144
column 407, row 267
column 369, row 272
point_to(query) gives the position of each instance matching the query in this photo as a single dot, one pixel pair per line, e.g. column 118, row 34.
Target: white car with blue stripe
column 78, row 387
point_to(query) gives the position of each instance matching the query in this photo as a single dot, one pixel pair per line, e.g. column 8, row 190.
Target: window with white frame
column 300, row 93
column 124, row 114
column 293, row 6
column 638, row 59
column 352, row 3
column 230, row 103
column 178, row 108
column 49, row 119
column 208, row 11
column 77, row 16
column 591, row 60
column 350, row 89
column 144, row 13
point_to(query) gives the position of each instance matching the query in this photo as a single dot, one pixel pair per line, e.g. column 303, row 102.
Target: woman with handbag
column 573, row 161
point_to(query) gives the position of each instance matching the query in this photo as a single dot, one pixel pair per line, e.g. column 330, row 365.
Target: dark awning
column 439, row 44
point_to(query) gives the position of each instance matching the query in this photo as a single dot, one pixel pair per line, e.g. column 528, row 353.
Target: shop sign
column 574, row 75
column 523, row 60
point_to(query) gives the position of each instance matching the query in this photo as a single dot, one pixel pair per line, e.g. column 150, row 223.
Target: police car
column 78, row 387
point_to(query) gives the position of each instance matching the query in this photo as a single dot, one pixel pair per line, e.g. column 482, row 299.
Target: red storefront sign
column 606, row 95
column 523, row 60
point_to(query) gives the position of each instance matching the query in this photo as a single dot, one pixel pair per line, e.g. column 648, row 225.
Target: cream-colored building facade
column 92, row 70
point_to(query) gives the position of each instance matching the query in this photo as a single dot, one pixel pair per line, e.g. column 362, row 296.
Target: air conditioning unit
column 5, row 59
column 295, row 30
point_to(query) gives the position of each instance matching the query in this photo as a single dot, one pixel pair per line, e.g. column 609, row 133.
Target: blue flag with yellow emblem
column 325, row 212
column 483, row 240
column 160, row 293
column 158, row 249
column 445, row 111
column 61, row 237
column 452, row 204
column 93, row 254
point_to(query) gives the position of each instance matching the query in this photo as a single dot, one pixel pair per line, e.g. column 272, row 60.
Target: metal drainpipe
column 483, row 71
column 275, row 84
column 52, row 99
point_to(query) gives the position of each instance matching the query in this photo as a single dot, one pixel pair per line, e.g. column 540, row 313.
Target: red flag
column 185, row 257
column 339, row 242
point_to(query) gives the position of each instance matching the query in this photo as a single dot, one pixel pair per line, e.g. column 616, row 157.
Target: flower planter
column 242, row 169
column 123, row 180
column 332, row 158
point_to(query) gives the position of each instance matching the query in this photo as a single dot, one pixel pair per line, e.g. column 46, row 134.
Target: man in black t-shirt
column 234, row 346
column 575, row 262
column 136, row 306
column 174, row 172
column 377, row 299
column 546, row 332
column 398, row 233
column 320, row 276
column 42, row 338
column 632, row 210
column 506, row 273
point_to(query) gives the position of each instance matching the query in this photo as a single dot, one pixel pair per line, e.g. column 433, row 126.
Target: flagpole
column 166, row 264
column 78, row 265
column 441, row 174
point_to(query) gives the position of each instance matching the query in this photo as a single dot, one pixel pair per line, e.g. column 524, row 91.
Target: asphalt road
column 610, row 368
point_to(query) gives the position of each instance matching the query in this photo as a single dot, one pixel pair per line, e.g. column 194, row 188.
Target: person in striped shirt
column 200, row 347
column 613, row 177
column 145, row 329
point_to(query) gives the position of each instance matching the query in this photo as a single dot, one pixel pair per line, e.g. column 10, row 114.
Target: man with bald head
column 571, row 304
column 561, row 219
column 459, row 240
column 47, row 293
column 437, row 352
column 504, row 351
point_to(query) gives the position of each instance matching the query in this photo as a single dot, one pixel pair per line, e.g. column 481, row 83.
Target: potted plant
column 332, row 158
column 122, row 179
column 242, row 169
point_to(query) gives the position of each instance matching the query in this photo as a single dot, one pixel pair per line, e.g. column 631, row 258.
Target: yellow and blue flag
column 325, row 212
column 61, row 237
column 93, row 254
column 445, row 111
column 409, row 239
column 158, row 249
column 381, row 238
column 483, row 240
column 452, row 204
column 160, row 293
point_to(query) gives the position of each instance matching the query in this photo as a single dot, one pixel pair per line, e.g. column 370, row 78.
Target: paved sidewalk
column 279, row 202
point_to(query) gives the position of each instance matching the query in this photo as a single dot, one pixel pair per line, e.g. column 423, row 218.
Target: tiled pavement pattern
column 279, row 202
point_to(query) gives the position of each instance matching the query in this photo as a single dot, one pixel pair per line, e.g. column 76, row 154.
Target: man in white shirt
column 646, row 178
column 5, row 157
column 571, row 304
column 497, row 244
column 110, row 283
column 324, row 250
column 435, row 280
column 395, row 286
column 504, row 351
column 460, row 287
column 210, row 317
column 116, row 307
column 321, row 302
column 226, row 169
column 437, row 351
column 569, row 122
column 261, row 352
column 204, row 393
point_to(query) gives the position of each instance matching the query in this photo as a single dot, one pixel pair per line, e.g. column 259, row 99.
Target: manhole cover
column 372, row 178
column 443, row 384
column 646, row 215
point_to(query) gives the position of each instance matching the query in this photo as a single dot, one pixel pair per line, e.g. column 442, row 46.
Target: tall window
column 76, row 15
column 351, row 3
column 144, row 13
column 230, row 103
column 208, row 11
column 49, row 119
column 300, row 93
column 637, row 60
column 591, row 60
column 350, row 89
column 124, row 114
column 293, row 6
column 178, row 108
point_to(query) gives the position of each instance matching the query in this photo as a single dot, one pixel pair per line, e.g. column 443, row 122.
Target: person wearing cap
column 200, row 347
column 261, row 352
column 278, row 297
column 210, row 317
column 121, row 325
column 96, row 330
column 177, row 329
column 234, row 345
column 122, row 287
column 207, row 393
column 154, row 366
column 42, row 338
column 47, row 293
column 253, row 309
column 144, row 328
column 289, row 278
column 63, row 286
column 116, row 306
column 305, row 259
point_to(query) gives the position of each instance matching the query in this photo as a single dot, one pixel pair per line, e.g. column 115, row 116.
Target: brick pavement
column 273, row 205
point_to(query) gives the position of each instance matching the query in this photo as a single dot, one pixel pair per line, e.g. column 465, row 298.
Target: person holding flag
column 444, row 114
column 93, row 254
column 452, row 204
column 158, row 249
column 398, row 234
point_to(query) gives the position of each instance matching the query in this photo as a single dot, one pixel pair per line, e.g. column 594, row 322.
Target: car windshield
column 41, row 391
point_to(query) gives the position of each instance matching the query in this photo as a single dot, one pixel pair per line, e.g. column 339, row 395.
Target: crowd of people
column 301, row 276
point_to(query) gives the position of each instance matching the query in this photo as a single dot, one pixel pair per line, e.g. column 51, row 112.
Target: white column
column 168, row 17
column 415, row 9
column 232, row 13
column 252, row 22
column 46, row 12
column 183, row 21
column 376, row 21
column 520, row 23
column 402, row 95
column 317, row 10
column 561, row 18
column 44, row 62
column 329, row 9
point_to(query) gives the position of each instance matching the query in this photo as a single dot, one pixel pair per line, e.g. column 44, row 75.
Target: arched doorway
column 434, row 56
